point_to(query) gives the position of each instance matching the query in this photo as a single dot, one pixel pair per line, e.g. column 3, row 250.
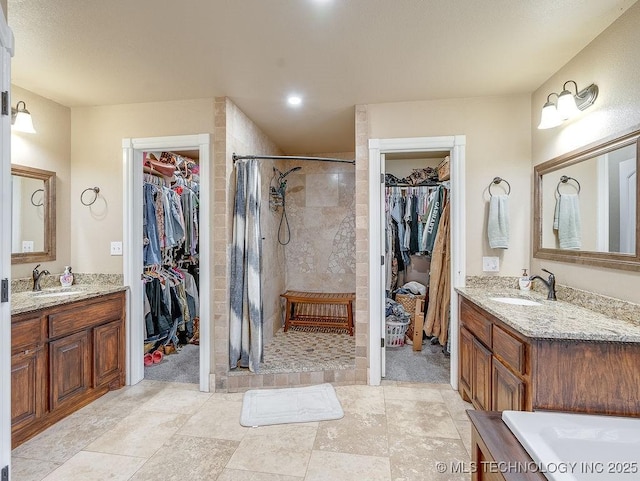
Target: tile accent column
column 221, row 238
column 362, row 245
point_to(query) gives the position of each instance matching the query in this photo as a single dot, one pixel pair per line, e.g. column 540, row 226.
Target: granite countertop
column 27, row 301
column 551, row 319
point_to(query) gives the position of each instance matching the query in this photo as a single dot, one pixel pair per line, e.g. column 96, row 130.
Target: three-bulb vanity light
column 567, row 105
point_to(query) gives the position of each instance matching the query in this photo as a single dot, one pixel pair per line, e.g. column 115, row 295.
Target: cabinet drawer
column 26, row 332
column 509, row 349
column 81, row 315
column 476, row 323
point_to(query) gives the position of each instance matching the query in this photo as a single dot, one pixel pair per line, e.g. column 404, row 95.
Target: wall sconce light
column 568, row 104
column 21, row 119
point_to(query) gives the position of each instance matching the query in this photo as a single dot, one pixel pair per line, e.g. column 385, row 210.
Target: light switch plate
column 27, row 246
column 116, row 248
column 490, row 264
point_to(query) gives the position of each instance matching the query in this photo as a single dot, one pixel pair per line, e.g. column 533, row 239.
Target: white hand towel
column 567, row 221
column 498, row 222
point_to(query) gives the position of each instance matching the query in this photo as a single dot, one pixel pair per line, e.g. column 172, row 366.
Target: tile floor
column 299, row 351
column 170, row 431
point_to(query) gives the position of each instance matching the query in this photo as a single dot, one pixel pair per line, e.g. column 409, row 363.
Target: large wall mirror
column 33, row 216
column 586, row 205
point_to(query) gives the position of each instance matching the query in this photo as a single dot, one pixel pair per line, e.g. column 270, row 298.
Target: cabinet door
column 507, row 389
column 70, row 368
column 481, row 376
column 28, row 395
column 108, row 353
column 466, row 360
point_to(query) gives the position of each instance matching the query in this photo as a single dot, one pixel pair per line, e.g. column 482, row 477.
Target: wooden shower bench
column 319, row 309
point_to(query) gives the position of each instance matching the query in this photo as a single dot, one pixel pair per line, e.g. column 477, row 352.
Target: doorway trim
column 132, row 246
column 6, row 52
column 456, row 145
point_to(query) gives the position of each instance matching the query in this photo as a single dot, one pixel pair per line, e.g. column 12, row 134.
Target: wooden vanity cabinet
column 500, row 369
column 492, row 369
column 64, row 357
column 28, row 370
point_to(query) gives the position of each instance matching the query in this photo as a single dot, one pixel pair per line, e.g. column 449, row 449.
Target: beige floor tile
column 238, row 475
column 417, row 458
column 464, row 429
column 327, row 466
column 361, row 399
column 404, row 393
column 456, row 406
column 23, row 469
column 140, row 434
column 364, row 434
column 65, row 438
column 216, row 419
column 419, row 418
column 187, row 458
column 281, row 449
column 96, row 467
column 172, row 400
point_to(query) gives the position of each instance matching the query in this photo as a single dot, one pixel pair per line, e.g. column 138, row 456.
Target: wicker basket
column 408, row 301
column 443, row 169
column 396, row 331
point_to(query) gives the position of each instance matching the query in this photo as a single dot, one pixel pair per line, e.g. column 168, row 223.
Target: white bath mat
column 261, row 407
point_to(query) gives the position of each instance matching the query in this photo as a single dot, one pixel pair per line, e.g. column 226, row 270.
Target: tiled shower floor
column 300, row 351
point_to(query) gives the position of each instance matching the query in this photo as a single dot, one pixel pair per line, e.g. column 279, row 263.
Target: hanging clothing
column 432, row 220
column 438, row 309
column 245, row 317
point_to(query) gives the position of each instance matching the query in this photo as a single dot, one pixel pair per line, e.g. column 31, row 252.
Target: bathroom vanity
column 546, row 355
column 67, row 349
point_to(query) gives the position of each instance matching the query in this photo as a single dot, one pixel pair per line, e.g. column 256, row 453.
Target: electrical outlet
column 116, row 248
column 27, row 246
column 490, row 264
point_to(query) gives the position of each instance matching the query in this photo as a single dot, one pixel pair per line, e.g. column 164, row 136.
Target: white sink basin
column 518, row 301
column 56, row 293
column 579, row 447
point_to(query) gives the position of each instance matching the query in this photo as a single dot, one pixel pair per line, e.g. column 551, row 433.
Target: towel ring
column 95, row 190
column 497, row 180
column 563, row 180
column 34, row 193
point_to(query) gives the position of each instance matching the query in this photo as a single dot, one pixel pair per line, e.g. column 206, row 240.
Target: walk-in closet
column 171, row 224
column 417, row 267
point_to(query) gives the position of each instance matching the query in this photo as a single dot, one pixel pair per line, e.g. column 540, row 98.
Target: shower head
column 282, row 176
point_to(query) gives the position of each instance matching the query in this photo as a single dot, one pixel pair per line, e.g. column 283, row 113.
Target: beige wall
column 48, row 149
column 321, row 254
column 611, row 61
column 497, row 131
column 96, row 153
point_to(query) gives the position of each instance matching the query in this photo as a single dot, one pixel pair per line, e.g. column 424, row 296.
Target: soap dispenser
column 66, row 279
column 524, row 282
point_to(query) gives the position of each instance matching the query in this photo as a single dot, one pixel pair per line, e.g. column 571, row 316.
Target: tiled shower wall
column 320, row 205
column 236, row 133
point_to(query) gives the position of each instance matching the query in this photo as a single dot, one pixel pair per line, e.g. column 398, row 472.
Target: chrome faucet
column 549, row 283
column 36, row 277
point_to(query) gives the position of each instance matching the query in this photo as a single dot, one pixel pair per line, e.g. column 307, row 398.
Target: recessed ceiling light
column 294, row 100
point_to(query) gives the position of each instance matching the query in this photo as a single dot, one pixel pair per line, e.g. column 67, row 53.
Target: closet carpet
column 183, row 366
column 429, row 365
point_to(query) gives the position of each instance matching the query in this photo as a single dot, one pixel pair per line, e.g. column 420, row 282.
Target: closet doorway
column 379, row 149
column 417, row 193
column 181, row 264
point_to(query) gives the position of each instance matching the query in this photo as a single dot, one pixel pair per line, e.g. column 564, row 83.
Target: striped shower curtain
column 245, row 317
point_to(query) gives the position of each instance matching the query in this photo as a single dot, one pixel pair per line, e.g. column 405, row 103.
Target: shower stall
column 307, row 233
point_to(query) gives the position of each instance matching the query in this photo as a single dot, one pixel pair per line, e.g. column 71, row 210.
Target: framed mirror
column 586, row 205
column 33, row 216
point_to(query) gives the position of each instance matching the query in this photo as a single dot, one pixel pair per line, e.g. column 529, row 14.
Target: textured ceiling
column 334, row 53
